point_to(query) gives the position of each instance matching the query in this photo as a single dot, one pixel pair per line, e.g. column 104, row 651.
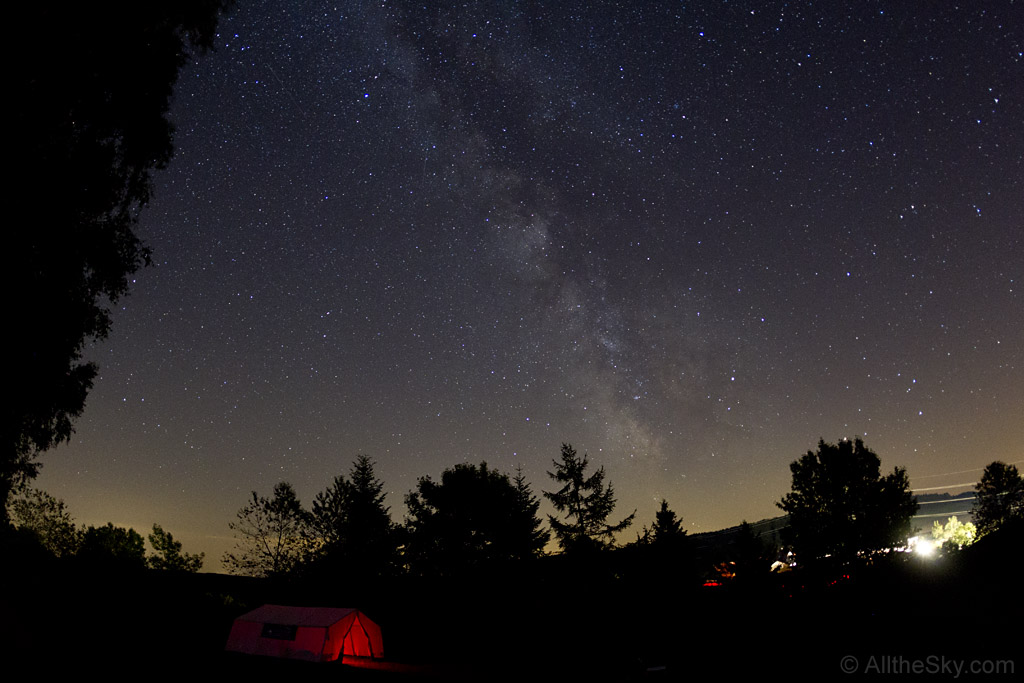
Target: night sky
column 689, row 238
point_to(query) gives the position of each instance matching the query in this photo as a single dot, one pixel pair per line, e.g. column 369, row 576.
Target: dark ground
column 556, row 622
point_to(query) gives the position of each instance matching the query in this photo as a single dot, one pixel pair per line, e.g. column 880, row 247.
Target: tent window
column 279, row 631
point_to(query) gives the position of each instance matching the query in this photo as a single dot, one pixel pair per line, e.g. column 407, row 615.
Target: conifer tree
column 532, row 536
column 350, row 526
column 585, row 502
column 668, row 527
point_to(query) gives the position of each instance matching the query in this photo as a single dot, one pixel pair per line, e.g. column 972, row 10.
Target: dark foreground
column 899, row 617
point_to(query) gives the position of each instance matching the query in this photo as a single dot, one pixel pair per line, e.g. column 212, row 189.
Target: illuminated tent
column 318, row 634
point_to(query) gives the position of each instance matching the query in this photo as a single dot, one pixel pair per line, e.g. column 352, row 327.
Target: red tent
column 319, row 634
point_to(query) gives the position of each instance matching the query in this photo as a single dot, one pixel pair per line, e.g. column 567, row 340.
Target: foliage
column 527, row 523
column 662, row 554
column 91, row 115
column 953, row 535
column 168, row 555
column 474, row 517
column 17, row 468
column 113, row 547
column 48, row 519
column 350, row 527
column 666, row 530
column 752, row 555
column 840, row 506
column 270, row 535
column 1000, row 497
column 586, row 503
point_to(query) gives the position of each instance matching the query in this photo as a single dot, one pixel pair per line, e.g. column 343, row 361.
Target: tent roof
column 297, row 616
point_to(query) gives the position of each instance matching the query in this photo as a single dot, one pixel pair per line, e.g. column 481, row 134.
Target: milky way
column 688, row 238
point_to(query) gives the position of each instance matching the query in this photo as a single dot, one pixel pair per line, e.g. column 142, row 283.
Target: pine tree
column 585, row 502
column 532, row 536
column 665, row 551
column 668, row 528
column 351, row 528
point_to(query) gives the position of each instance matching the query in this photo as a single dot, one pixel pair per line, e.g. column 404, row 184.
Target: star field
column 688, row 238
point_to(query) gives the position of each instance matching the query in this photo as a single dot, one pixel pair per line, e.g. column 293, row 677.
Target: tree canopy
column 585, row 502
column 270, row 535
column 350, row 526
column 953, row 535
column 533, row 535
column 840, row 506
column 168, row 555
column 113, row 547
column 48, row 519
column 666, row 531
column 473, row 517
column 668, row 527
column 90, row 115
column 662, row 554
column 1000, row 497
column 751, row 555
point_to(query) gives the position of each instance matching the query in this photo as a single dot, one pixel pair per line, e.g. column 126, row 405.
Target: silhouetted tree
column 751, row 555
column 89, row 121
column 350, row 526
column 668, row 528
column 662, row 553
column 586, row 502
column 526, row 522
column 840, row 505
column 168, row 553
column 48, row 519
column 1000, row 497
column 270, row 535
column 113, row 548
column 473, row 518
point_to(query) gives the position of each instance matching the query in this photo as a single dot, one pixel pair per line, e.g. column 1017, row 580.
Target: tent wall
column 364, row 639
column 342, row 632
column 308, row 644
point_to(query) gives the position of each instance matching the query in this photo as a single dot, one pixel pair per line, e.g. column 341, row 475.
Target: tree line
column 841, row 509
column 93, row 122
column 474, row 518
column 42, row 524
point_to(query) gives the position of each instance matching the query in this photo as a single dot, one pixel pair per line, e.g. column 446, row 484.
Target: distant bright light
column 924, row 547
